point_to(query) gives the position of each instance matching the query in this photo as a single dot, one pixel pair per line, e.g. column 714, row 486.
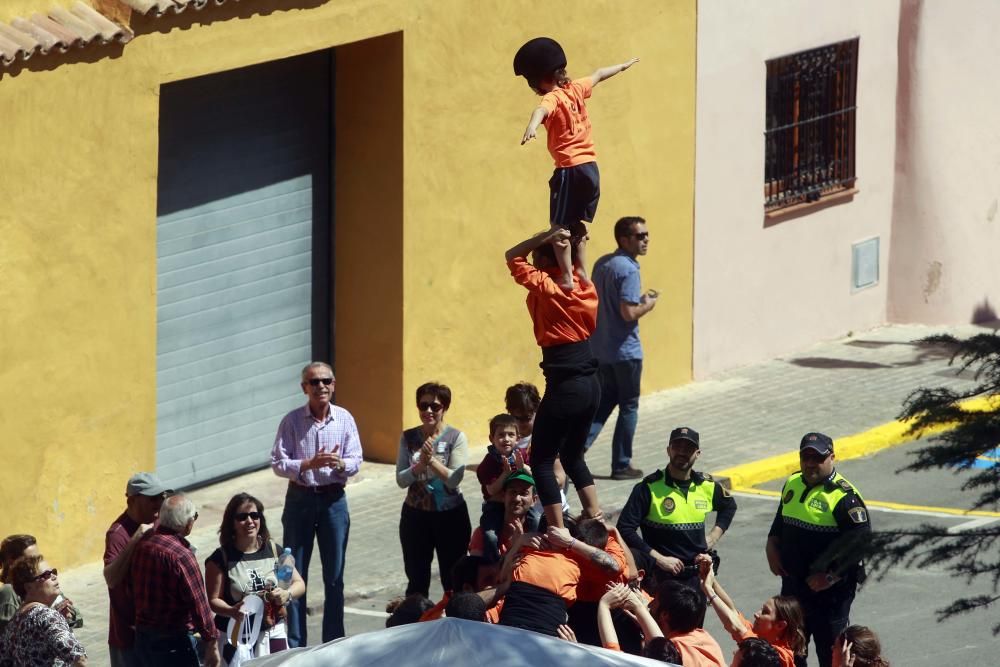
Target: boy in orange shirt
column 575, row 186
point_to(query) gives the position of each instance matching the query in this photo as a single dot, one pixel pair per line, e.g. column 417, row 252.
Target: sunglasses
column 315, row 382
column 45, row 576
column 642, row 236
column 433, row 407
column 242, row 516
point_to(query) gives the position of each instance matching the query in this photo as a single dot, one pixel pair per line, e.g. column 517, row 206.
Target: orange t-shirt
column 568, row 125
column 785, row 651
column 554, row 571
column 698, row 649
column 558, row 317
column 594, row 580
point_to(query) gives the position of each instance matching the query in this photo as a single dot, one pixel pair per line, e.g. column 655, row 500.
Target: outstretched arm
column 717, row 597
column 561, row 537
column 615, row 597
column 524, row 248
column 608, row 72
column 537, row 116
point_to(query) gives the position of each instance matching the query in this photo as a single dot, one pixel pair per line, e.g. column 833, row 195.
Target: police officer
column 813, row 543
column 669, row 507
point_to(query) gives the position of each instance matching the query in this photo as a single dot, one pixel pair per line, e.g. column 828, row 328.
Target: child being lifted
column 575, row 185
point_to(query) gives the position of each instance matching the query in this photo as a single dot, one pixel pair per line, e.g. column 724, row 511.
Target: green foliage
column 972, row 555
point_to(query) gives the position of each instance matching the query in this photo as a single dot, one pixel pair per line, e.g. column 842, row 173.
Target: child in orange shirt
column 574, row 188
column 780, row 620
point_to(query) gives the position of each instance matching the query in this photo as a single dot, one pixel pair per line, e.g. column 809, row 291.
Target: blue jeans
column 160, row 649
column 325, row 516
column 619, row 386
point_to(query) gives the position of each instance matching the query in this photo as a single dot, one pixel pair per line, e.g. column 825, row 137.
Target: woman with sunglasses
column 430, row 466
column 38, row 636
column 242, row 566
column 563, row 323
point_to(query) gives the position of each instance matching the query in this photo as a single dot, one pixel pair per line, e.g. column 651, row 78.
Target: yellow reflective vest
column 670, row 508
column 812, row 509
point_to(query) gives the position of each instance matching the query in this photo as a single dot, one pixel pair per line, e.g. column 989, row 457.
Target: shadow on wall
column 985, row 316
column 213, row 13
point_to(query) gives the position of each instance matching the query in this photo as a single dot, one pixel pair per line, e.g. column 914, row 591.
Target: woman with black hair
column 244, row 565
column 430, row 466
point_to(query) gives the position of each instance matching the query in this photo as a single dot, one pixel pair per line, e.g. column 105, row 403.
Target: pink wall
column 762, row 291
column 945, row 250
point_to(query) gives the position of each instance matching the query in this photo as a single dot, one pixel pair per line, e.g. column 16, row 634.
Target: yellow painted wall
column 78, row 220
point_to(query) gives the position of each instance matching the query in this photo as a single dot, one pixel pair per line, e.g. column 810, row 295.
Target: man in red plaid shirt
column 170, row 598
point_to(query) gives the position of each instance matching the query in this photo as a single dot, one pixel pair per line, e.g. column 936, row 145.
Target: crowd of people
column 642, row 585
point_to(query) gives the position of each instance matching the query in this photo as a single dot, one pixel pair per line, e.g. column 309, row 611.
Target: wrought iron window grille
column 809, row 141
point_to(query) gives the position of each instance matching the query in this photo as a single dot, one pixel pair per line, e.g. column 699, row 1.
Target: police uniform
column 815, row 527
column 671, row 517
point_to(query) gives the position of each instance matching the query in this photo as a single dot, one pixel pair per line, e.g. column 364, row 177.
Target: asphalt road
column 900, row 607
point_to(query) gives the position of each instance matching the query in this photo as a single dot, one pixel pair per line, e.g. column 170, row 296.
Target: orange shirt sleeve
column 526, row 275
column 437, row 611
column 594, row 579
column 493, row 613
column 585, row 86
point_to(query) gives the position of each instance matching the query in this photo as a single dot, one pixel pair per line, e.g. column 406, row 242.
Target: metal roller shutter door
column 244, row 185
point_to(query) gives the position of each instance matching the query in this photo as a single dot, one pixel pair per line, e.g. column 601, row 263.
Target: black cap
column 685, row 433
column 822, row 444
column 539, row 57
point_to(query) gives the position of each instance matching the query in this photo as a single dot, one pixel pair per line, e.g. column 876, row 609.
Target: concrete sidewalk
column 841, row 388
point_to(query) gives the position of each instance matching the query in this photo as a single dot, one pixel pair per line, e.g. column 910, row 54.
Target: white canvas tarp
column 450, row 641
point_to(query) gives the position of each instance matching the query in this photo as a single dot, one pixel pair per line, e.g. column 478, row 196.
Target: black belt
column 322, row 489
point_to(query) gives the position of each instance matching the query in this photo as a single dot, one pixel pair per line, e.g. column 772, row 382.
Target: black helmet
column 539, row 57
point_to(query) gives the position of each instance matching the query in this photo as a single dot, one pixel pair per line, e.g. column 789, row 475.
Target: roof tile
column 63, row 28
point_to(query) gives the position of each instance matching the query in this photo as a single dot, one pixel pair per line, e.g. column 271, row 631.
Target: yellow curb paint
column 892, row 434
column 896, row 506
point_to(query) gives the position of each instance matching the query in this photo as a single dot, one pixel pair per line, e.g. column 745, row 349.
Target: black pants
column 827, row 614
column 421, row 533
column 562, row 424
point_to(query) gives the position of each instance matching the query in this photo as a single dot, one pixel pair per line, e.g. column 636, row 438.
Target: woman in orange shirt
column 780, row 621
column 563, row 322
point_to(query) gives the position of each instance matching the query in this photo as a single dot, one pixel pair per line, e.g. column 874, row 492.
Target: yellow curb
column 896, row 506
column 849, row 447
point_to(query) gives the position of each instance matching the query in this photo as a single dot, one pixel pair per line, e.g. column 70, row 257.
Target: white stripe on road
column 972, row 524
column 365, row 612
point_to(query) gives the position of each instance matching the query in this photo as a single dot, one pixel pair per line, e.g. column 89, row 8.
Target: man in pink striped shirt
column 317, row 448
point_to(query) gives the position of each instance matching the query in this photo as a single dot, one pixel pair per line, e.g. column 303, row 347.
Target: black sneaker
column 626, row 473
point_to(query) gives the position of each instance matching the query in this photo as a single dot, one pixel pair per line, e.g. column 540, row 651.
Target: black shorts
column 573, row 194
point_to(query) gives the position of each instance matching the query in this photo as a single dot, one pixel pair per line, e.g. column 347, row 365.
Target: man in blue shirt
column 615, row 342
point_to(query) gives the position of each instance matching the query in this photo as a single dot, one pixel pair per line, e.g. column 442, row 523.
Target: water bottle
column 286, row 564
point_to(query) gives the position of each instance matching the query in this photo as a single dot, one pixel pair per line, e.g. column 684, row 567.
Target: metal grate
column 864, row 264
column 811, row 112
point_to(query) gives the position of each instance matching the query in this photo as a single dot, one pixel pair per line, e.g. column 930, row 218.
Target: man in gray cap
column 144, row 494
